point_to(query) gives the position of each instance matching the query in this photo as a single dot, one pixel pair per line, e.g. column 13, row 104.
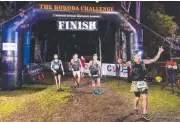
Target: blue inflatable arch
column 15, row 48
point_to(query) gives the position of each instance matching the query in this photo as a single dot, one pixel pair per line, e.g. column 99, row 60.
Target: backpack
column 76, row 65
column 56, row 63
column 132, row 67
column 94, row 68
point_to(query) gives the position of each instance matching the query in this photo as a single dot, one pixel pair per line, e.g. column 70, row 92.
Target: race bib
column 174, row 67
column 141, row 84
column 95, row 75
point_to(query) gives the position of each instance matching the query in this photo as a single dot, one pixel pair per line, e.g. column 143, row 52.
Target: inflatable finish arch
column 16, row 51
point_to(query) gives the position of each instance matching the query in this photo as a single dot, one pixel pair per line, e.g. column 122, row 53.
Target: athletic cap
column 55, row 56
column 95, row 55
column 75, row 55
column 137, row 52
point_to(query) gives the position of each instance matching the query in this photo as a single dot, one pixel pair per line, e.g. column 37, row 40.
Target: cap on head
column 95, row 55
column 75, row 55
column 55, row 56
column 137, row 52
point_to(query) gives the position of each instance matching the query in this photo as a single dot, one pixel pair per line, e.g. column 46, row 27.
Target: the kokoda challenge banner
column 76, row 7
column 72, row 24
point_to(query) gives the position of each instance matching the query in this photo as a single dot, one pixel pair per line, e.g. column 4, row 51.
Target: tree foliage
column 162, row 23
column 155, row 18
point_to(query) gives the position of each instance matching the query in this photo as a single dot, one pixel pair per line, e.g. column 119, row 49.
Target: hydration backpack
column 132, row 67
column 94, row 68
column 56, row 65
column 76, row 65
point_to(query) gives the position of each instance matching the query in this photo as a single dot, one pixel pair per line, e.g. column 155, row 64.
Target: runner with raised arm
column 137, row 76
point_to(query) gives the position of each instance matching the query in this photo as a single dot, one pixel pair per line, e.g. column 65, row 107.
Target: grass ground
column 42, row 100
column 161, row 102
column 42, row 103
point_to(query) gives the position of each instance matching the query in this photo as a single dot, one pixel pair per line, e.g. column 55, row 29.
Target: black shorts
column 137, row 94
column 58, row 72
column 95, row 78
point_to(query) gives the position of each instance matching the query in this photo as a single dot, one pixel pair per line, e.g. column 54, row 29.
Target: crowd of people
column 137, row 75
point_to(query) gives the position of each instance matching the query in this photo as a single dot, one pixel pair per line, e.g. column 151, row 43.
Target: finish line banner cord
column 172, row 46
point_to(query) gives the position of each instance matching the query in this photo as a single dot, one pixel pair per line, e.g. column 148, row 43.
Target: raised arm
column 149, row 61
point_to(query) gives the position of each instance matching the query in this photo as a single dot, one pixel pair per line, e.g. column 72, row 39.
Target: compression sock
column 94, row 90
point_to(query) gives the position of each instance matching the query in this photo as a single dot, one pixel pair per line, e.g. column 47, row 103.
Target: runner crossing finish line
column 137, row 76
column 94, row 71
column 76, row 67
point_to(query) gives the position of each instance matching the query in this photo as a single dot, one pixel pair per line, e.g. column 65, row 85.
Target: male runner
column 139, row 86
column 58, row 70
column 94, row 70
column 76, row 67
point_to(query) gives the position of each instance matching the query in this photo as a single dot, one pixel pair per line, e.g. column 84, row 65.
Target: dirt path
column 86, row 107
column 83, row 106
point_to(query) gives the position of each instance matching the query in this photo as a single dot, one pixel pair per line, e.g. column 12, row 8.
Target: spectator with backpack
column 76, row 66
column 58, row 71
column 137, row 76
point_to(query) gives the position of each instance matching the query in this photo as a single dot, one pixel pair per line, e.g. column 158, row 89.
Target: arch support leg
column 11, row 60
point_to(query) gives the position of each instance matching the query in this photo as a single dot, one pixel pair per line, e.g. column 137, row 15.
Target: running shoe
column 60, row 89
column 57, row 90
column 77, row 85
column 136, row 112
column 146, row 117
